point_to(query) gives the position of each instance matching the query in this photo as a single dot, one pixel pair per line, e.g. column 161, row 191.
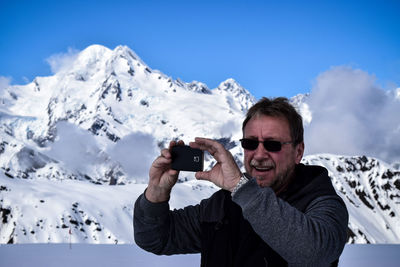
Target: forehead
column 267, row 127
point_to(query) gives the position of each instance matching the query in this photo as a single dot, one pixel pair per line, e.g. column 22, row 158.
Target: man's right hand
column 162, row 177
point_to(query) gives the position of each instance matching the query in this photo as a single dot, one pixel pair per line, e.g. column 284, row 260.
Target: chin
column 264, row 182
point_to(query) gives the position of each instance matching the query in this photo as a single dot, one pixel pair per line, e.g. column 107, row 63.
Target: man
column 279, row 213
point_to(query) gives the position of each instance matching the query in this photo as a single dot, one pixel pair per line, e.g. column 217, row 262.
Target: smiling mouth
column 262, row 168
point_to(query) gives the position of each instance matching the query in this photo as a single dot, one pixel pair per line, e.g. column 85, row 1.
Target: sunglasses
column 269, row 145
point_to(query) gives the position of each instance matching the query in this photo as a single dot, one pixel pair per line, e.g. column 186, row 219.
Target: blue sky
column 272, row 48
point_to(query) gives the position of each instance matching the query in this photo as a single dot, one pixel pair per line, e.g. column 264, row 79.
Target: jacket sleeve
column 164, row 232
column 315, row 237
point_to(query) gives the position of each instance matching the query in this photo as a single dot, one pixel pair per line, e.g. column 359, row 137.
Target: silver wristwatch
column 242, row 181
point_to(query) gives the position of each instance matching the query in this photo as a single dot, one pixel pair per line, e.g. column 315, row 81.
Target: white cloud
column 75, row 147
column 4, row 83
column 352, row 115
column 78, row 150
column 229, row 128
column 397, row 93
column 135, row 153
column 62, row 61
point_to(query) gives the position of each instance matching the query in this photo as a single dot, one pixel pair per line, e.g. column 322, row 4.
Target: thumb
column 203, row 175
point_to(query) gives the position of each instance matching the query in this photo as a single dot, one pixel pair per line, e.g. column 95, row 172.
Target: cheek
column 247, row 158
column 248, row 154
column 285, row 160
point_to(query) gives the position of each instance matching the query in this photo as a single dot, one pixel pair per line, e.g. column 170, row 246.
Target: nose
column 261, row 152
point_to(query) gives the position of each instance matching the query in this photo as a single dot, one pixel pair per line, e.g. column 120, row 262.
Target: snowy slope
column 56, row 211
column 100, row 121
column 371, row 191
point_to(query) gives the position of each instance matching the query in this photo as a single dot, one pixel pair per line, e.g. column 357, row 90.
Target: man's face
column 272, row 169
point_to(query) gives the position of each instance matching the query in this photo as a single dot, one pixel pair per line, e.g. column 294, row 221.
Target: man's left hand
column 225, row 173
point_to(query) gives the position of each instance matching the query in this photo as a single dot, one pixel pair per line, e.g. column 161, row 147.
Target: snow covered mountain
column 371, row 191
column 107, row 99
column 101, row 120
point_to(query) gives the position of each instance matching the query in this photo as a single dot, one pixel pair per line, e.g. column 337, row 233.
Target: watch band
column 242, row 181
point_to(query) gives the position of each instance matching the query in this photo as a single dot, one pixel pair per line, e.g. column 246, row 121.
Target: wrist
column 155, row 194
column 243, row 180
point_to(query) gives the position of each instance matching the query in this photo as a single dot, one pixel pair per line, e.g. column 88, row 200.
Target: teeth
column 262, row 168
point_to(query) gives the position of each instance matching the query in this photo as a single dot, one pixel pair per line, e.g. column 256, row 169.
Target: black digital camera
column 185, row 158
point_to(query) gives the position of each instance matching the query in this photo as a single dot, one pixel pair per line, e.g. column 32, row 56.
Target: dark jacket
column 304, row 226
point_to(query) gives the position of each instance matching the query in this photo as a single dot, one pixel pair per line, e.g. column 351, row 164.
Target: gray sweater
column 313, row 237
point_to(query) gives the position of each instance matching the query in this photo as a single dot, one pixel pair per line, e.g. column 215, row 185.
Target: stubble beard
column 283, row 179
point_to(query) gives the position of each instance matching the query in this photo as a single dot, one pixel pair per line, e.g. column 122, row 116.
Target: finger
column 165, row 153
column 171, row 144
column 162, row 161
column 203, row 176
column 213, row 147
column 181, row 143
column 204, row 141
column 173, row 173
column 175, row 143
column 209, row 145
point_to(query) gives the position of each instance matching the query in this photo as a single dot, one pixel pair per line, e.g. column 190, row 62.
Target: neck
column 284, row 181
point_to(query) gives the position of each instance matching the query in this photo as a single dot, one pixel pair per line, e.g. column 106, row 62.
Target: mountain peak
column 125, row 52
column 229, row 84
column 96, row 48
column 232, row 89
column 94, row 53
column 199, row 87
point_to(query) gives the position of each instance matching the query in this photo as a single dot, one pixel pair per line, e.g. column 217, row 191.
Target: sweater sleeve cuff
column 248, row 192
column 153, row 209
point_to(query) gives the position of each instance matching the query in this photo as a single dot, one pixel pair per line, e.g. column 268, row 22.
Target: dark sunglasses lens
column 249, row 144
column 272, row 146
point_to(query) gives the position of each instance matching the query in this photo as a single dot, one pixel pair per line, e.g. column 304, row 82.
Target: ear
column 299, row 150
